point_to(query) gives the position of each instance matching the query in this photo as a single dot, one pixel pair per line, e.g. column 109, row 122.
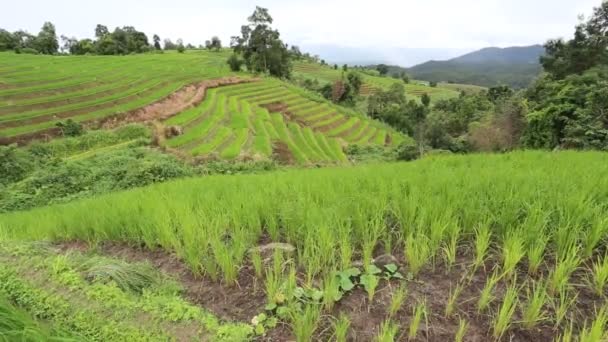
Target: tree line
column 122, row 41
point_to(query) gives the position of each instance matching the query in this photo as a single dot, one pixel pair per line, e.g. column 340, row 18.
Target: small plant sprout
column 331, row 290
column 503, row 318
column 449, row 250
column 388, row 332
column 417, row 252
column 483, row 237
column 452, row 298
column 341, row 326
column 512, row 252
column 532, row 310
column 487, row 293
column 462, row 330
column 567, row 335
column 305, row 322
column 597, row 330
column 598, row 278
column 258, row 265
column 397, row 300
column 418, row 313
column 535, row 254
column 565, row 266
column 562, row 305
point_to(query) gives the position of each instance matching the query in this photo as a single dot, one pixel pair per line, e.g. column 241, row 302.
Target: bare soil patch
column 281, row 153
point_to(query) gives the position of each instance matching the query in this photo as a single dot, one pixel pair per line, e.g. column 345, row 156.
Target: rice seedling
column 566, row 265
column 597, row 331
column 397, row 300
column 451, row 247
column 562, row 304
column 452, row 298
column 341, row 326
column 598, row 277
column 483, row 237
column 417, row 252
column 567, row 335
column 388, row 332
column 419, row 312
column 512, row 252
column 487, row 293
column 504, row 316
column 331, row 290
column 305, row 322
column 258, row 263
column 463, row 325
column 532, row 310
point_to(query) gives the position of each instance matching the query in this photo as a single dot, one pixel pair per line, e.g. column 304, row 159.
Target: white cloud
column 463, row 24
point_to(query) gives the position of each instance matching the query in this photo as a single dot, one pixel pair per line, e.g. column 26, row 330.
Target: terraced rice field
column 372, row 84
column 36, row 92
column 269, row 117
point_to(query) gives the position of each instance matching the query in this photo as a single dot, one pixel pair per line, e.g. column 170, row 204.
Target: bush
column 407, row 152
column 29, row 51
column 235, row 62
column 15, row 164
column 70, row 128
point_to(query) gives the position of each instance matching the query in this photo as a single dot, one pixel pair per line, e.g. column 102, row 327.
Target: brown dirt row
column 433, row 285
column 363, row 133
column 349, row 131
column 330, row 126
column 159, row 110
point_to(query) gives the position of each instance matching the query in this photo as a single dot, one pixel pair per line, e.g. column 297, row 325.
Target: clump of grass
column 597, row 330
column 562, row 304
column 417, row 252
column 452, row 298
column 503, row 319
column 388, row 332
column 418, row 313
column 304, row 322
column 512, row 252
column 462, row 330
column 397, row 300
column 487, row 293
column 341, row 326
column 564, row 268
column 483, row 237
column 598, row 277
column 128, row 277
column 532, row 311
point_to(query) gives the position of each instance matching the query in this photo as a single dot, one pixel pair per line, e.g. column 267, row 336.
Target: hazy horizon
column 398, row 32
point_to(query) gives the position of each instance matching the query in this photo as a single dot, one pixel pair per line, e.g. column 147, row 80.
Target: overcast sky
column 461, row 25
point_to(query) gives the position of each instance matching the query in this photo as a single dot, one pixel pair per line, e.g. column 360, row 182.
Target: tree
column 46, row 41
column 345, row 67
column 382, row 69
column 180, row 46
column 433, row 84
column 214, row 44
column 587, row 49
column 426, row 100
column 335, row 66
column 169, row 45
column 156, row 40
column 405, row 77
column 7, row 40
column 235, row 62
column 101, row 31
column 499, row 92
column 261, row 46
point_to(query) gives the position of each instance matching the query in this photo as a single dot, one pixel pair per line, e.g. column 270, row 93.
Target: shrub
column 235, row 62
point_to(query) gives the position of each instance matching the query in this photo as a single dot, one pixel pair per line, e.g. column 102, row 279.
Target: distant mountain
column 514, row 66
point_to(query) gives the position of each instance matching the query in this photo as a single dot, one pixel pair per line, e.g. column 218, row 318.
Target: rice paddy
column 372, row 84
column 269, row 117
column 507, row 247
column 36, row 92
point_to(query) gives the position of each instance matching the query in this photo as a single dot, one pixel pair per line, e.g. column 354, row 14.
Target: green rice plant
column 566, row 265
column 258, row 263
column 341, row 326
column 397, row 300
column 331, row 290
column 463, row 325
column 487, row 293
column 598, row 277
column 304, row 323
column 567, row 335
column 597, row 331
column 562, row 304
column 483, row 237
column 370, row 282
column 593, row 236
column 452, row 300
column 450, row 248
column 417, row 251
column 536, row 251
column 504, row 316
column 273, row 286
column 418, row 313
column 512, row 252
column 388, row 332
column 533, row 310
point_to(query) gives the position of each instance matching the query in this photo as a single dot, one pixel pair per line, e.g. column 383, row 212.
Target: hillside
column 515, row 66
column 219, row 114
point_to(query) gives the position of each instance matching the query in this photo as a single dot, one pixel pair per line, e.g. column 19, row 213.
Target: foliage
column 70, row 128
column 235, row 62
column 261, row 46
column 214, row 44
